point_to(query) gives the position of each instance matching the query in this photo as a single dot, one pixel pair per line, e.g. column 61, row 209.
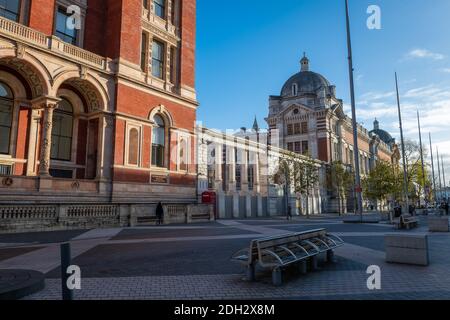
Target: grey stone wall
column 54, row 217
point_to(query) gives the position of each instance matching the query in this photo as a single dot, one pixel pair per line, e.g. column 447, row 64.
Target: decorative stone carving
column 109, row 122
column 44, row 166
column 26, row 71
column 75, row 185
column 89, row 92
column 7, row 182
column 20, row 51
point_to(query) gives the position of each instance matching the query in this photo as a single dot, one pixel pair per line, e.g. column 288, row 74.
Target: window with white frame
column 158, row 59
column 160, row 8
column 159, row 142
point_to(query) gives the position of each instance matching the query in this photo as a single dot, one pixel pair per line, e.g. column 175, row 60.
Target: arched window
column 183, row 155
column 62, row 131
column 133, row 147
column 6, row 112
column 158, row 142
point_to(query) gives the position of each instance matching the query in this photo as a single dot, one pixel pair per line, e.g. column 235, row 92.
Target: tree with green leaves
column 299, row 174
column 341, row 179
column 416, row 177
column 382, row 182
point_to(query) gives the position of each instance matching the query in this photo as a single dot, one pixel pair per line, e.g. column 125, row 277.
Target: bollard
column 251, row 273
column 330, row 256
column 277, row 279
column 313, row 263
column 303, row 267
column 67, row 294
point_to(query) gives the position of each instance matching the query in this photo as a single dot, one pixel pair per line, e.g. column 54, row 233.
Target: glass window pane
column 61, row 20
column 64, row 148
column 66, row 126
column 157, row 59
column 4, row 140
column 56, row 128
column 54, row 147
column 62, row 132
column 5, row 116
column 10, row 9
column 65, row 105
column 158, row 136
column 5, row 92
column 62, row 31
column 160, row 8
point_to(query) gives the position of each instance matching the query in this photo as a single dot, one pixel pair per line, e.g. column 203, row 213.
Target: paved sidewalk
column 193, row 262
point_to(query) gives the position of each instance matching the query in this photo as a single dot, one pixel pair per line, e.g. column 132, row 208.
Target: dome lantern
column 304, row 63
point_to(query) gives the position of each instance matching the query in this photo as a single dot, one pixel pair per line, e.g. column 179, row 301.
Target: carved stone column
column 33, row 142
column 218, row 166
column 105, row 151
column 231, row 164
column 244, row 169
column 48, row 107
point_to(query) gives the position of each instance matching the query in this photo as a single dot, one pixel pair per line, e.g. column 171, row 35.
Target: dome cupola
column 306, row 82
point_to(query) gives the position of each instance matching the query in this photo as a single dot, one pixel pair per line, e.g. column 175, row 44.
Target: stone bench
column 438, row 224
column 407, row 249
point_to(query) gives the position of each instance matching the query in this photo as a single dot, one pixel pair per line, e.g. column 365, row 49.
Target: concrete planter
column 438, row 224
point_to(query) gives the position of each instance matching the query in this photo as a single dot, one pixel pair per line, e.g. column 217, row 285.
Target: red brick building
column 97, row 101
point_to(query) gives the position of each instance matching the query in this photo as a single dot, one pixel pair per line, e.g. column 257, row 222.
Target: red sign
column 209, row 197
column 358, row 190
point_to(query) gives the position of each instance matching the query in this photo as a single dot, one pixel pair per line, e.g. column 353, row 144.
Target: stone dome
column 382, row 134
column 307, row 81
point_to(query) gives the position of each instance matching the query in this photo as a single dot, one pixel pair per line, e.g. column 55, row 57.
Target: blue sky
column 247, row 49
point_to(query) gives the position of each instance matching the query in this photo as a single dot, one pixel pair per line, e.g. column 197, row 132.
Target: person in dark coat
column 159, row 213
column 446, row 208
column 289, row 213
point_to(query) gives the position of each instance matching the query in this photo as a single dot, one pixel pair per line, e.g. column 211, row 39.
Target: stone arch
column 19, row 89
column 162, row 110
column 75, row 100
column 87, row 87
column 28, row 69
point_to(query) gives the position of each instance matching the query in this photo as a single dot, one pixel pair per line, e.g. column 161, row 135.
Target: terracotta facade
column 106, row 144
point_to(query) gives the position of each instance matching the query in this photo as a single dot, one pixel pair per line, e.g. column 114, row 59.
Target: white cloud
column 424, row 54
column 446, row 70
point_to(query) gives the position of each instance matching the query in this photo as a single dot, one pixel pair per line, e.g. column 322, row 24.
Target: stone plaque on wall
column 160, row 179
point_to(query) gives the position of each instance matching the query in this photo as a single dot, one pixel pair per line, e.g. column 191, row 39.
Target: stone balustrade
column 52, row 217
column 32, row 37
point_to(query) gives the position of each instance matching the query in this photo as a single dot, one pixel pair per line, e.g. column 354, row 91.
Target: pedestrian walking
column 289, row 213
column 159, row 214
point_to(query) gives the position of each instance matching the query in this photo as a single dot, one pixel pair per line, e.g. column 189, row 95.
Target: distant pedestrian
column 412, row 210
column 289, row 213
column 446, row 208
column 159, row 214
column 397, row 211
